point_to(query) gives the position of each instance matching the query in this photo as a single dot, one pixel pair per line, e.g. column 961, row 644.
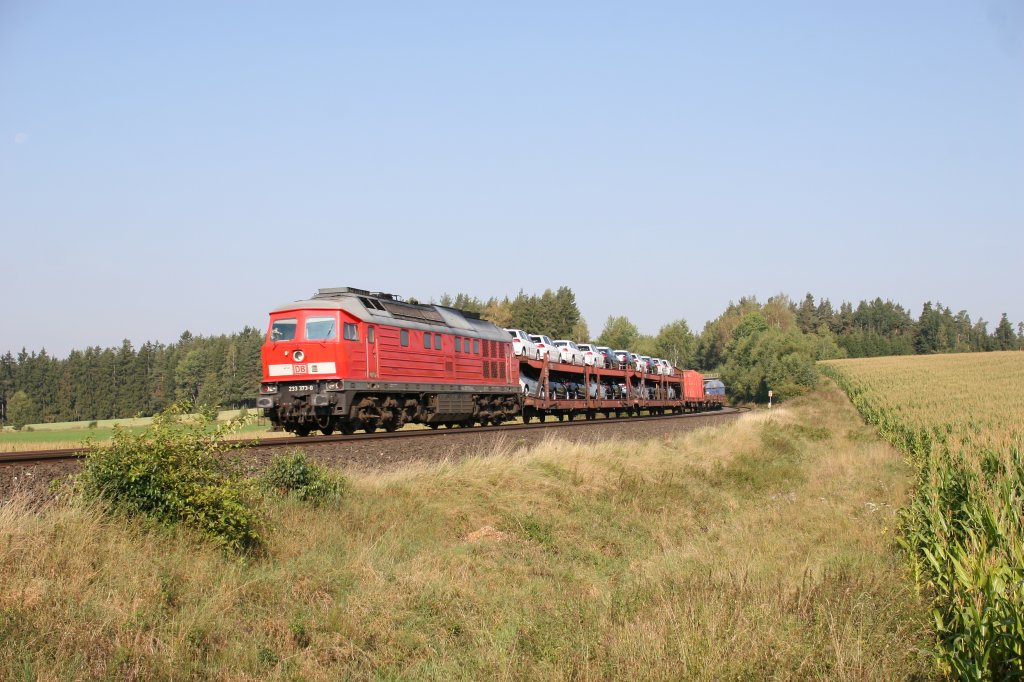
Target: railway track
column 67, row 454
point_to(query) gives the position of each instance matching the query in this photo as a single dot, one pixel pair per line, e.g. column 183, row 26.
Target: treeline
column 755, row 347
column 124, row 382
column 880, row 327
column 773, row 346
column 555, row 314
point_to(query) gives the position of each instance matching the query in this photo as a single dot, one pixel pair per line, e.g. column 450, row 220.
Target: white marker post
column 769, row 400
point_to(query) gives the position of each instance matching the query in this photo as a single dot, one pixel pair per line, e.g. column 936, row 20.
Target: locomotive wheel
column 369, row 428
column 433, row 427
column 327, row 431
column 347, row 428
column 302, row 431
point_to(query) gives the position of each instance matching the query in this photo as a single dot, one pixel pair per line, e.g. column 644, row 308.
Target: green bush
column 293, row 474
column 176, row 472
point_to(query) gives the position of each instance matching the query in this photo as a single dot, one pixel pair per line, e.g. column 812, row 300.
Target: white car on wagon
column 522, row 345
column 591, row 355
column 569, row 351
column 546, row 346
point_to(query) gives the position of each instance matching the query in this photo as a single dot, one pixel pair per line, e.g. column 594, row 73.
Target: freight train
column 349, row 359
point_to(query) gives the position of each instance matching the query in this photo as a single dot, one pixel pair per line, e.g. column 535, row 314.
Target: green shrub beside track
column 175, row 472
column 293, row 474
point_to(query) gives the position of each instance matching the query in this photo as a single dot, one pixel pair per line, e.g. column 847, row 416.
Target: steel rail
column 25, row 457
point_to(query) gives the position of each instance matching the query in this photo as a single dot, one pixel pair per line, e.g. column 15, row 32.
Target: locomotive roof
column 383, row 308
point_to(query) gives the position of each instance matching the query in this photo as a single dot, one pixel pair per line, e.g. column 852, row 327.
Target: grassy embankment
column 754, row 550
column 959, row 420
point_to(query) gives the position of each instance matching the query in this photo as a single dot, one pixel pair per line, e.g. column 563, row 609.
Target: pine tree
column 8, row 367
column 807, row 315
column 1004, row 338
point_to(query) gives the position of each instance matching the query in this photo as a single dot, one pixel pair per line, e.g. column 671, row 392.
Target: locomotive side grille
column 339, row 292
column 494, row 369
column 487, row 369
column 494, row 349
column 501, row 369
column 413, row 312
column 487, row 350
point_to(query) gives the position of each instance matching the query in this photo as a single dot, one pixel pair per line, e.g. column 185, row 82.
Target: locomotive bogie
column 371, row 406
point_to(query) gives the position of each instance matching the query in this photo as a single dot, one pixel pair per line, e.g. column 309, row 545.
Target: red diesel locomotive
column 350, row 359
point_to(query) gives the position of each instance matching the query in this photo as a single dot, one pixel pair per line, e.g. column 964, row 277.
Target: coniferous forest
column 754, row 346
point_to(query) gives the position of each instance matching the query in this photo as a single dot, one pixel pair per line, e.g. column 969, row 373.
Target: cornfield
column 960, row 419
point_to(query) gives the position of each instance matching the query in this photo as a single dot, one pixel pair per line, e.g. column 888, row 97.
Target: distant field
column 960, row 419
column 76, row 434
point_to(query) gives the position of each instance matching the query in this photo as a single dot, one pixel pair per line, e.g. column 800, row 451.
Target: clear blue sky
column 188, row 165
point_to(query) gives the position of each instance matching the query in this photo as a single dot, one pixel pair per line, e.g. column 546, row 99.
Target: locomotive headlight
column 298, row 355
column 268, row 388
column 335, row 386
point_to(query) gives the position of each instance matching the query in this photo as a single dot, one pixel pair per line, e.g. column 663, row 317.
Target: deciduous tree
column 21, row 410
column 618, row 333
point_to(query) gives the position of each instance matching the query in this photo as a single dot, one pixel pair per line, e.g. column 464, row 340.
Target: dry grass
column 759, row 550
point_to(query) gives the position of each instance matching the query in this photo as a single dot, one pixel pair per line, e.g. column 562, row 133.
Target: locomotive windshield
column 320, row 328
column 283, row 329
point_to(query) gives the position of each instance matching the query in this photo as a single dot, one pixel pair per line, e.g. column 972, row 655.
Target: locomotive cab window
column 437, row 342
column 283, row 329
column 465, row 345
column 405, row 337
column 351, row 332
column 476, row 346
column 426, row 340
column 458, row 345
column 320, row 329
